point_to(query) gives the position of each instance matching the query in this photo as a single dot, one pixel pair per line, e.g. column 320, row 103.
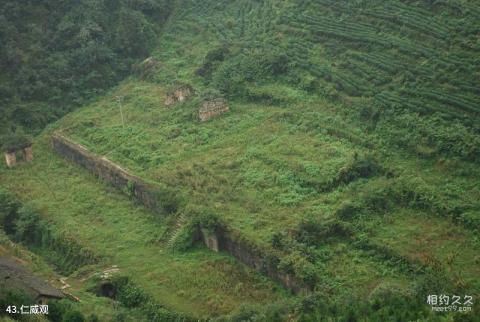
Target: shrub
column 127, row 293
column 361, row 166
column 14, row 142
column 262, row 64
column 185, row 237
column 211, row 60
column 206, row 219
column 27, row 225
column 8, row 210
column 73, row 316
column 210, row 94
column 383, row 306
column 65, row 310
column 216, row 54
column 313, row 231
column 12, row 297
column 132, row 296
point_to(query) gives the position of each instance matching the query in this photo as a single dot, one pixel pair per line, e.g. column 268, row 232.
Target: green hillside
column 351, row 151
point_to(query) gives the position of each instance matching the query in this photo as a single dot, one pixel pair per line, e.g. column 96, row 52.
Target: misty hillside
column 245, row 160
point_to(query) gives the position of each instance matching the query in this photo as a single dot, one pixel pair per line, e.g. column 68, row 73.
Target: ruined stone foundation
column 212, row 108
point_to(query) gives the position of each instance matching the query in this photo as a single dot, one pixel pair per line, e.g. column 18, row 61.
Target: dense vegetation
column 59, row 54
column 414, row 64
column 350, row 152
column 14, row 142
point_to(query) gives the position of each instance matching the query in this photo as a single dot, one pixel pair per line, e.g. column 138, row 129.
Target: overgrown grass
column 351, row 145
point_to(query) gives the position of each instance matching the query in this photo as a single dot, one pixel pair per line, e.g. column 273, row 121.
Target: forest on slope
column 56, row 55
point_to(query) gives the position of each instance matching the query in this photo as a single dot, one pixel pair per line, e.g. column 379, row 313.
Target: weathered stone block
column 212, row 108
column 28, row 154
column 10, row 159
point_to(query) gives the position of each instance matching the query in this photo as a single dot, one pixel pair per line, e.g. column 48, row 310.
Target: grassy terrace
column 120, row 232
column 266, row 173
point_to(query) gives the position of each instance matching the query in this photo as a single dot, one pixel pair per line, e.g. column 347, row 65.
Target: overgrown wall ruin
column 267, row 264
column 106, row 170
column 180, row 94
column 220, row 240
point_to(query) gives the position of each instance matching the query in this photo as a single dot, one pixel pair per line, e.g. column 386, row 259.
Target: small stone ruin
column 17, row 147
column 11, row 156
column 212, row 108
column 179, row 94
column 210, row 240
column 147, row 68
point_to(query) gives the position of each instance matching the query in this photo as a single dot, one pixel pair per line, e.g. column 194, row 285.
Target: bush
column 383, row 306
column 212, row 60
column 233, row 76
column 216, row 54
column 168, row 200
column 211, row 94
column 12, row 297
column 313, row 231
column 14, row 142
column 300, row 267
column 348, row 210
column 25, row 224
column 8, row 210
column 65, row 310
column 132, row 296
column 206, row 219
column 73, row 316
